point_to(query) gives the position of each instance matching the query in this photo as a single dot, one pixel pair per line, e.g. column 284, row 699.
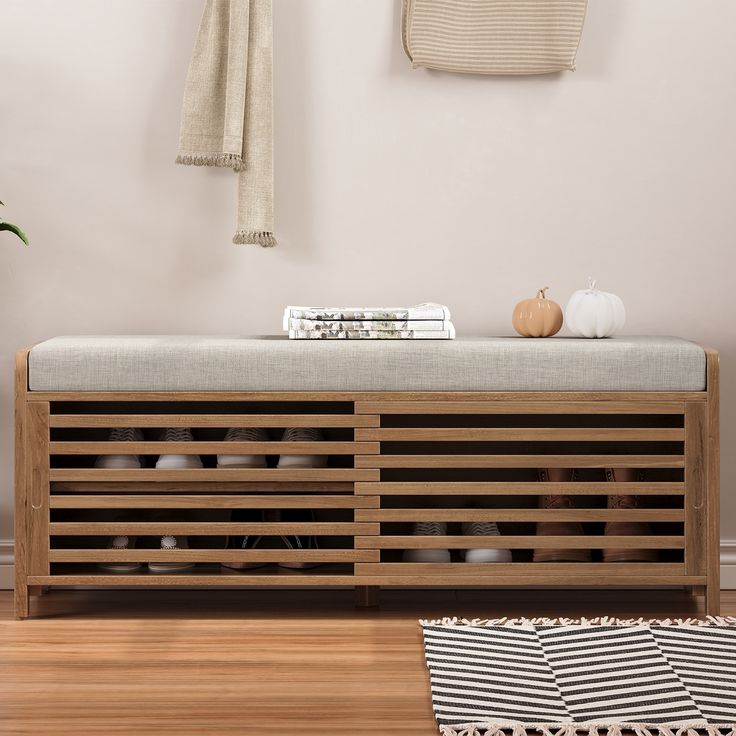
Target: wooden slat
column 37, row 446
column 713, row 479
column 526, row 581
column 212, row 486
column 525, row 434
column 202, row 528
column 519, row 461
column 249, row 577
column 214, row 555
column 696, row 540
column 212, row 448
column 368, row 396
column 221, row 421
column 518, row 568
column 451, row 515
column 212, row 501
column 519, row 542
column 493, row 488
column 22, row 483
column 215, row 474
column 633, row 406
column 310, row 578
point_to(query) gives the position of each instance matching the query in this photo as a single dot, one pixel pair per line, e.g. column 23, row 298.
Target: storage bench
column 413, row 431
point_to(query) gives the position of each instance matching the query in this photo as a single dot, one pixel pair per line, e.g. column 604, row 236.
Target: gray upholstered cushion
column 191, row 363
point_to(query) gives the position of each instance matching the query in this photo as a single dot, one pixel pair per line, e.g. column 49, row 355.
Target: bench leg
column 21, row 600
column 367, row 596
column 712, row 600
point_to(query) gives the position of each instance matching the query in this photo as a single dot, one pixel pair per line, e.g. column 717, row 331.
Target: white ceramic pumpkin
column 594, row 313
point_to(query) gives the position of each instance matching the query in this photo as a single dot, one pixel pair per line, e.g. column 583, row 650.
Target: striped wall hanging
column 542, row 677
column 493, row 36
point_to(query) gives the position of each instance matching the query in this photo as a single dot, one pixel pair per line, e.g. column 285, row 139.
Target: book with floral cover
column 369, row 324
column 335, row 334
column 426, row 311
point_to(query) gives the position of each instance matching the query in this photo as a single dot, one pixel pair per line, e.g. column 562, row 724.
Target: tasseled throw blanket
column 493, row 36
column 227, row 116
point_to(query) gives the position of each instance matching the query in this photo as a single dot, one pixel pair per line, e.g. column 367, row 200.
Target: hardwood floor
column 250, row 662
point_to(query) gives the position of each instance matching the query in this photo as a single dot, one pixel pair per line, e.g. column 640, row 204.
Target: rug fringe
column 596, row 621
column 695, row 728
column 227, row 160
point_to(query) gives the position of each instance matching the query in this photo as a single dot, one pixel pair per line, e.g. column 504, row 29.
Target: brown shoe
column 247, row 541
column 626, row 528
column 559, row 528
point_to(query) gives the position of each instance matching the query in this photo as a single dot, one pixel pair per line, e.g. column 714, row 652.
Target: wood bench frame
column 365, row 488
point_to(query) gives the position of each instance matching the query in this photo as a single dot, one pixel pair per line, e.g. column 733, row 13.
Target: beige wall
column 393, row 185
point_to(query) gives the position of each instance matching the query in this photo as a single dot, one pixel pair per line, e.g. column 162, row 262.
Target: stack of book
column 421, row 322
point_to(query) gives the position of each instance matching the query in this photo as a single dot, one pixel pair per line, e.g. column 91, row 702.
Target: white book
column 448, row 334
column 369, row 324
column 429, row 310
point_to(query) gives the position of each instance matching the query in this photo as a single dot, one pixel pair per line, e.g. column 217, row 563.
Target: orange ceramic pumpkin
column 540, row 317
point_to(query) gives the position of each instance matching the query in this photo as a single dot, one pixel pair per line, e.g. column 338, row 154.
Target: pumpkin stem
column 541, row 293
column 591, row 282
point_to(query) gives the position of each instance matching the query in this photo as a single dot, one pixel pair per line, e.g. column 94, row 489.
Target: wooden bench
column 395, row 457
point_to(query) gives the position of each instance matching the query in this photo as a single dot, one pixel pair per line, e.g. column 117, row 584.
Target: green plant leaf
column 15, row 230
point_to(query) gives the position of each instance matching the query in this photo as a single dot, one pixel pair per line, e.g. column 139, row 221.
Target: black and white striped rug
column 542, row 677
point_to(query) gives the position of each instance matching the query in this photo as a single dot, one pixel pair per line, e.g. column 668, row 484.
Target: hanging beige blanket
column 493, row 36
column 227, row 114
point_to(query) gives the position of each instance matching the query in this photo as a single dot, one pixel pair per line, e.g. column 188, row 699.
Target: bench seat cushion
column 199, row 363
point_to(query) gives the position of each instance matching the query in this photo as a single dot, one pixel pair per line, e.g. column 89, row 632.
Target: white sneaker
column 177, row 462
column 172, row 543
column 118, row 543
column 428, row 529
column 302, row 434
column 484, row 529
column 244, row 434
column 121, row 462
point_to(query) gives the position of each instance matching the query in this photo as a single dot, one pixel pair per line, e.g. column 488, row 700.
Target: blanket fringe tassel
column 232, row 161
column 596, row 729
column 255, row 237
column 597, row 621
